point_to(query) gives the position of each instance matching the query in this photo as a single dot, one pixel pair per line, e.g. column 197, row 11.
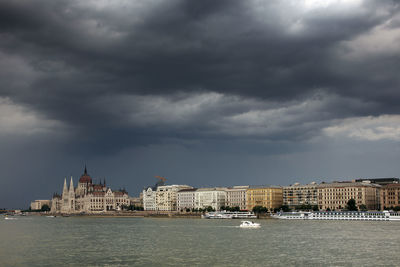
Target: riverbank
column 140, row 214
column 131, row 214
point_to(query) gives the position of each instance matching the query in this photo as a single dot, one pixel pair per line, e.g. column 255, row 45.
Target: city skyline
column 161, row 181
column 204, row 93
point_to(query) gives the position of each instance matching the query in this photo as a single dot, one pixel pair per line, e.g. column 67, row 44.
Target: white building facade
column 149, row 199
column 214, row 197
column 236, row 196
column 186, row 199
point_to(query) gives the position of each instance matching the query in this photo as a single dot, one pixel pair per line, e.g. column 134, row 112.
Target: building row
column 90, row 197
column 183, row 197
column 371, row 194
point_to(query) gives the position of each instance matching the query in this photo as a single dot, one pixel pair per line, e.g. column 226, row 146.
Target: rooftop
column 188, row 190
column 348, row 184
column 264, row 186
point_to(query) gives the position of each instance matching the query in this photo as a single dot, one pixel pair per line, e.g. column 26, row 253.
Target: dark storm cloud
column 90, row 64
column 160, row 47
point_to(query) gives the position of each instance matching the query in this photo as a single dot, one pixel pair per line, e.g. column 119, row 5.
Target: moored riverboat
column 340, row 215
column 229, row 215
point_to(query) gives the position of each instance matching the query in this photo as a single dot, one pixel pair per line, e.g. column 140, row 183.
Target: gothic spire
column 65, row 188
column 85, row 172
column 71, row 186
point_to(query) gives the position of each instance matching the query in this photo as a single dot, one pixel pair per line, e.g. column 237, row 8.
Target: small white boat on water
column 9, row 218
column 249, row 224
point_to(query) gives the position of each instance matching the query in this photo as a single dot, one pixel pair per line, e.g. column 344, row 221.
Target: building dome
column 85, row 178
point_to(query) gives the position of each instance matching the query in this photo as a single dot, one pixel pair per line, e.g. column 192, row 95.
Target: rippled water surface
column 84, row 241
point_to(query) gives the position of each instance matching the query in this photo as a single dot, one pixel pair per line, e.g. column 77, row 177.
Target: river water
column 87, row 241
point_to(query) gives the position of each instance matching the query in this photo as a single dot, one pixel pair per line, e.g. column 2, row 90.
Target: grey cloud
column 78, row 58
column 164, row 47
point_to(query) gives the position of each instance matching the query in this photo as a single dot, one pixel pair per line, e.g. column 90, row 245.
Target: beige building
column 214, row 197
column 186, row 199
column 166, row 196
column 297, row 195
column 236, row 197
column 336, row 195
column 390, row 196
column 270, row 197
column 38, row 204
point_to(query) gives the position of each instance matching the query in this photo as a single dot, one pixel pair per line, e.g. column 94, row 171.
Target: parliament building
column 88, row 197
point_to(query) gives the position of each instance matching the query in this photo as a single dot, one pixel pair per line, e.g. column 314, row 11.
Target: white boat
column 9, row 218
column 216, row 215
column 340, row 215
column 50, row 216
column 229, row 215
column 243, row 215
column 291, row 215
column 249, row 224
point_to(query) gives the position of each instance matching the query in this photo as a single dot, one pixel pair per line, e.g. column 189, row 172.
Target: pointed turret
column 65, row 188
column 71, row 186
column 65, row 198
column 85, row 172
column 71, row 196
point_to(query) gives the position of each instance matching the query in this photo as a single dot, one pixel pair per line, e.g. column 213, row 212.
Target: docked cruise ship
column 340, row 215
column 229, row 215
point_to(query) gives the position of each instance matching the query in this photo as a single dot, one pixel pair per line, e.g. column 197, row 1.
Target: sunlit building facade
column 390, row 196
column 236, row 196
column 270, row 197
column 297, row 195
column 334, row 196
column 88, row 197
column 210, row 197
column 186, row 199
column 166, row 197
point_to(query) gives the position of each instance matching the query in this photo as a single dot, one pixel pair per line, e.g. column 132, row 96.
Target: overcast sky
column 205, row 93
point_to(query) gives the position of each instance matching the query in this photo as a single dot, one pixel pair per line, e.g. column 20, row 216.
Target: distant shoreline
column 139, row 214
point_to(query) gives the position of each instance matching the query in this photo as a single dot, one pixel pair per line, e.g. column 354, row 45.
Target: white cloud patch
column 18, row 120
column 294, row 15
column 382, row 40
column 385, row 127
